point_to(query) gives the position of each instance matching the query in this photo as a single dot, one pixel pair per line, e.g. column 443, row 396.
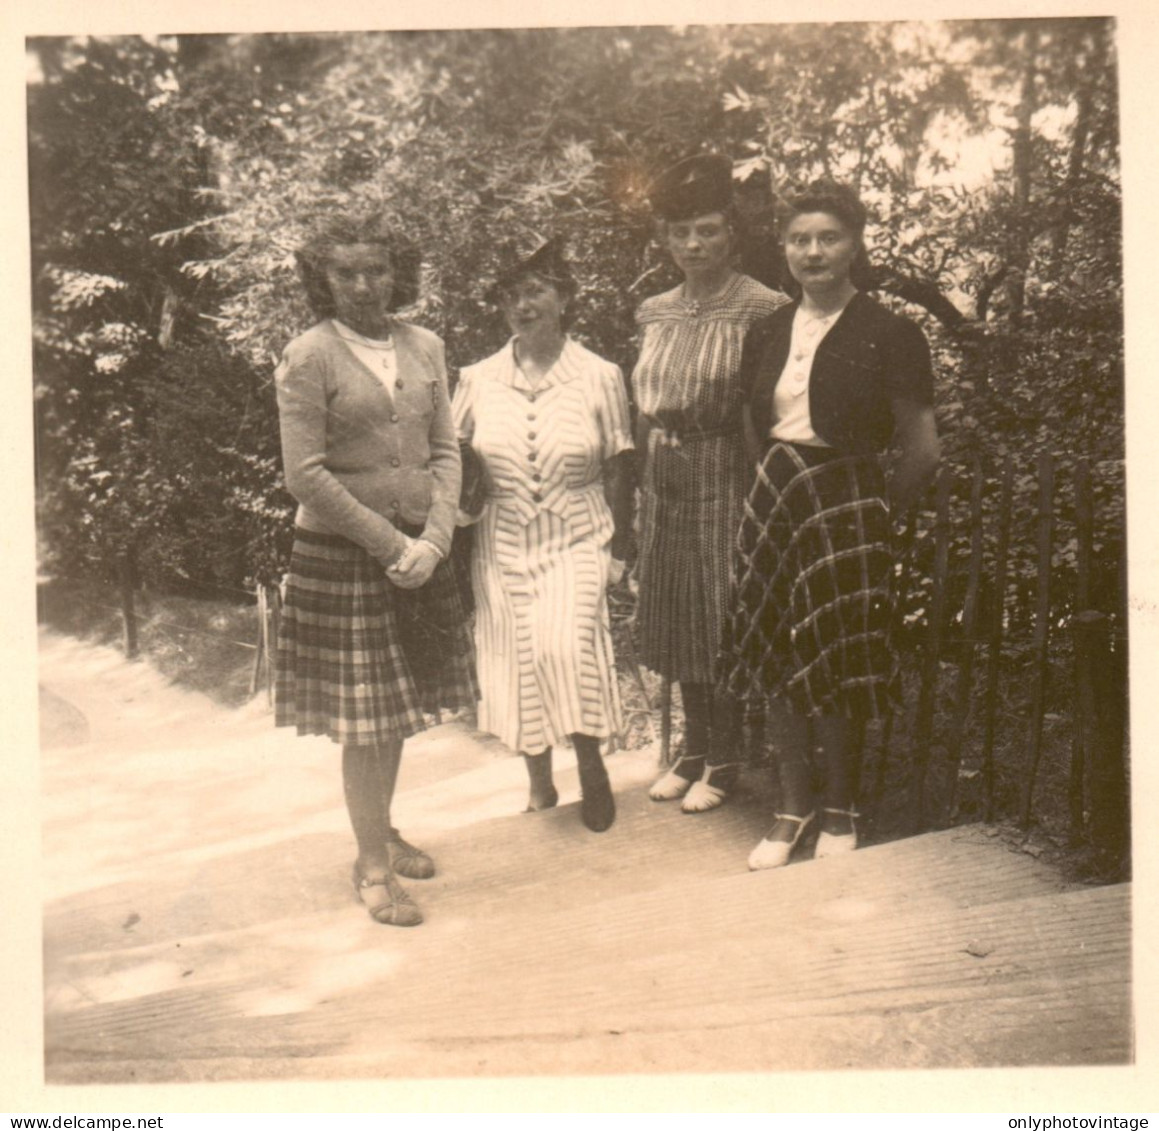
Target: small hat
column 692, row 187
column 546, row 260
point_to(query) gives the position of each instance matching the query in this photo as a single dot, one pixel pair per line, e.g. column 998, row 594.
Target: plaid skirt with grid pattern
column 361, row 660
column 812, row 589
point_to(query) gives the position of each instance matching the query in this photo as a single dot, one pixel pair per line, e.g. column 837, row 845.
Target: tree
column 206, row 156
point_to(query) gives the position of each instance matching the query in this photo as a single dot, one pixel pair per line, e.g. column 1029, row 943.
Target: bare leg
column 543, row 794
column 368, row 777
column 365, row 772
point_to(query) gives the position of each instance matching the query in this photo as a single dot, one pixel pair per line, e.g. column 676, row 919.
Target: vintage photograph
column 581, row 551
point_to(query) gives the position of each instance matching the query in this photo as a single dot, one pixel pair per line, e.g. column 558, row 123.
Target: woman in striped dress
column 548, row 420
column 835, row 379
column 373, row 637
column 695, row 473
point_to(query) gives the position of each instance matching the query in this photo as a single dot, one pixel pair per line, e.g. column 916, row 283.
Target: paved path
column 199, row 924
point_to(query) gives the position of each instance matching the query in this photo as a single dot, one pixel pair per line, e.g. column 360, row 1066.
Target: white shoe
column 776, row 853
column 671, row 785
column 704, row 795
column 837, row 844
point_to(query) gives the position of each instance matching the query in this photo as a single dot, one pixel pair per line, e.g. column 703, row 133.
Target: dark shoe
column 397, row 910
column 597, row 805
column 543, row 794
column 549, row 802
column 408, row 861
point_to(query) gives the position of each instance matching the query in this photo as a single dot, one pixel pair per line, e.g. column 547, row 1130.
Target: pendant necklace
column 384, row 347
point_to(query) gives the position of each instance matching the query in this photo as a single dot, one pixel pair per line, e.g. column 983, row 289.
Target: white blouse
column 376, row 354
column 791, row 395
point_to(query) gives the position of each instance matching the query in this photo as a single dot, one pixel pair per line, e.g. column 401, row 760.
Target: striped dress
column 686, row 386
column 539, row 572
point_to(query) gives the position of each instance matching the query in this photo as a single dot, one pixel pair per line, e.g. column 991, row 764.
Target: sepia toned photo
column 571, row 552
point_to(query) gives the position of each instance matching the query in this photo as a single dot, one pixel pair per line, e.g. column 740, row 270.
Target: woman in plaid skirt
column 834, row 379
column 373, row 638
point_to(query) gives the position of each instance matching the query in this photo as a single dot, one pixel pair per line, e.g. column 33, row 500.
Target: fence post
column 969, row 623
column 260, row 652
column 905, row 575
column 665, row 721
column 1110, row 807
column 994, row 645
column 127, row 584
column 924, row 722
column 1041, row 625
column 1084, row 709
column 274, row 597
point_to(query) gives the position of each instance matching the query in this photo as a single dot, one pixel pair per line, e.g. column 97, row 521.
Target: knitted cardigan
column 362, row 459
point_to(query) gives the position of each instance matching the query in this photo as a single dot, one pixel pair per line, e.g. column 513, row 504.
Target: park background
column 171, row 178
column 1137, row 31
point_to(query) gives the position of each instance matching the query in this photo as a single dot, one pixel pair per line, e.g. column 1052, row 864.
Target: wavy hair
column 834, row 199
column 342, row 230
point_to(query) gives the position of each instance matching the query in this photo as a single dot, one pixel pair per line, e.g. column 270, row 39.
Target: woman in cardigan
column 548, row 420
column 835, row 379
column 373, row 635
column 694, row 471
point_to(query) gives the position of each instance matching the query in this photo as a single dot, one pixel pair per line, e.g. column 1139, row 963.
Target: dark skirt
column 812, row 586
column 361, row 660
column 690, row 506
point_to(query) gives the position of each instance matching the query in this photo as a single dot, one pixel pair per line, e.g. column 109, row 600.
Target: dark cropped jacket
column 869, row 356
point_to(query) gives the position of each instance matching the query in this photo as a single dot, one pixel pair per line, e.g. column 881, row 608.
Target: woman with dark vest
column 691, row 445
column 373, row 639
column 834, row 380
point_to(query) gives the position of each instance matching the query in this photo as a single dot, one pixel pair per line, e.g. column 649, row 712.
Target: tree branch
column 926, row 295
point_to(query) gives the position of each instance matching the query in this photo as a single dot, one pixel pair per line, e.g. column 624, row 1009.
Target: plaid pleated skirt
column 361, row 660
column 811, row 613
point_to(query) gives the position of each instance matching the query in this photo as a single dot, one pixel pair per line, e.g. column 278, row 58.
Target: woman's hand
column 415, row 566
column 917, row 436
column 616, row 571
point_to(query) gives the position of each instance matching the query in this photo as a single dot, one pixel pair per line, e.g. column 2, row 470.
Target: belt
column 675, row 437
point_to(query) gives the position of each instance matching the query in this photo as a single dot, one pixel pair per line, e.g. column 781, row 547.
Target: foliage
column 172, row 179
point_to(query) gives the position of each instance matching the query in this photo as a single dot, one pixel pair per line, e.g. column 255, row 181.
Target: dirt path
column 199, row 924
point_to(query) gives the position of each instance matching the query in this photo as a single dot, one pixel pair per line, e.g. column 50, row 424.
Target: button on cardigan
column 359, row 457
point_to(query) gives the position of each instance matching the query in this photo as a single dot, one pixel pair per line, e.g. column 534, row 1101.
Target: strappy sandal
column 837, row 844
column 776, row 853
column 706, row 793
column 672, row 784
column 408, row 861
column 397, row 910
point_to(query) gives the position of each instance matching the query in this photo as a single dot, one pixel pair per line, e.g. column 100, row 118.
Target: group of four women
column 764, row 560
